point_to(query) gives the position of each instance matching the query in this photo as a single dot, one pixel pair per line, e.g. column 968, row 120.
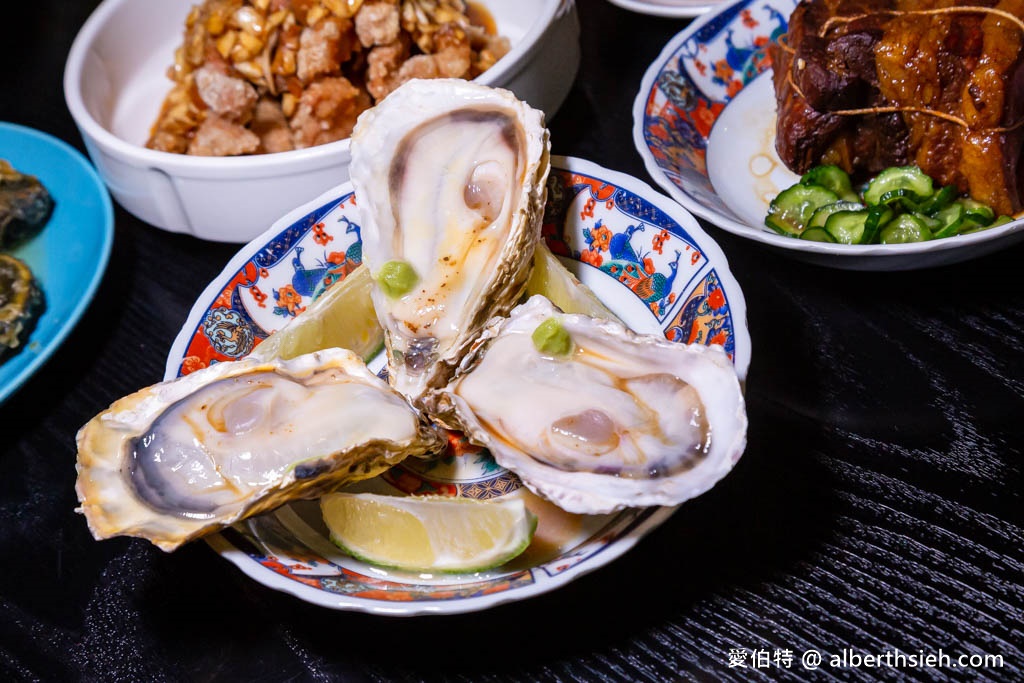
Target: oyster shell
column 621, row 420
column 450, row 177
column 186, row 457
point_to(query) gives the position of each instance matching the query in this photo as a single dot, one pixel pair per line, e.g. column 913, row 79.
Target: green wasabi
column 396, row 279
column 552, row 339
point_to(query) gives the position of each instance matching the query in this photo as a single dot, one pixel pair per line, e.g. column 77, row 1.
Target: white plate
column 704, row 124
column 642, row 254
column 668, row 8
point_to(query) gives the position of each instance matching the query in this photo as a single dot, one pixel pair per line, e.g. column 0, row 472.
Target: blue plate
column 69, row 256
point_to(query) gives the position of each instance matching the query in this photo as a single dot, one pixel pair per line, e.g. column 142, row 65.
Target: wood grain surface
column 878, row 505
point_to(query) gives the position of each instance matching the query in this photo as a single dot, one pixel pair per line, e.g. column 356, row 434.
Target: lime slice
column 342, row 316
column 554, row 281
column 429, row 533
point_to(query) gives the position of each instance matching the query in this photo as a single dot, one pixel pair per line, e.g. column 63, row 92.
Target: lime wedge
column 429, row 533
column 554, row 281
column 342, row 316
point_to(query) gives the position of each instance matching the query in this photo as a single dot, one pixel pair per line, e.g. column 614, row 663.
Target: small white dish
column 115, row 82
column 639, row 251
column 704, row 124
column 668, row 8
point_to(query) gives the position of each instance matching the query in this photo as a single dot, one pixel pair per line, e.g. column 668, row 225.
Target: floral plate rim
column 625, row 528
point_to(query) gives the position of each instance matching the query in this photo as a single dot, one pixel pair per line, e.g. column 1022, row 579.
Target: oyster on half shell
column 450, row 178
column 183, row 458
column 602, row 420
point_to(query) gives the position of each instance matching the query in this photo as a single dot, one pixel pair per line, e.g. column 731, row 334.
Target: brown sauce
column 482, row 17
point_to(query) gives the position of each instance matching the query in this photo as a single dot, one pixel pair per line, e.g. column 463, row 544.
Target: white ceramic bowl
column 115, row 82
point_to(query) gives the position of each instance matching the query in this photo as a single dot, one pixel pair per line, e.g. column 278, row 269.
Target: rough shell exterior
column 108, row 499
column 705, row 368
column 379, row 135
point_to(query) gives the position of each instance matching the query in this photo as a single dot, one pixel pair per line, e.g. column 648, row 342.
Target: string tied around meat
column 783, row 43
column 966, row 9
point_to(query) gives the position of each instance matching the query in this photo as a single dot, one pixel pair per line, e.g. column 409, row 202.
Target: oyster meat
column 450, row 178
column 183, row 458
column 594, row 417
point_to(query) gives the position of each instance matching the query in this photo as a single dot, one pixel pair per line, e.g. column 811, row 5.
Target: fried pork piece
column 453, row 56
column 377, row 24
column 257, row 76
column 271, row 126
column 487, row 49
column 229, row 97
column 389, row 66
column 217, row 137
column 382, row 65
column 322, row 48
column 327, row 111
column 867, row 84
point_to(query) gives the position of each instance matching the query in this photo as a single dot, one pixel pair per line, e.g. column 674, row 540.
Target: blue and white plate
column 70, row 255
column 641, row 253
column 704, row 124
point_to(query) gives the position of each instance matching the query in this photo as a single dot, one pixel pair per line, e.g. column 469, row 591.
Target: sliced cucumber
column 1001, row 220
column 932, row 224
column 901, row 198
column 950, row 219
column 790, row 211
column 938, row 201
column 977, row 212
column 831, row 178
column 901, row 204
column 847, row 227
column 878, row 216
column 817, row 234
column 910, row 178
column 903, row 229
column 819, row 217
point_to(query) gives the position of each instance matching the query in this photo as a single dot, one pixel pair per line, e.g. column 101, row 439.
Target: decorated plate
column 704, row 123
column 668, row 8
column 642, row 254
column 69, row 256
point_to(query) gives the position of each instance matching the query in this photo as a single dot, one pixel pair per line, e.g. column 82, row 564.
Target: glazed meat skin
column 867, row 84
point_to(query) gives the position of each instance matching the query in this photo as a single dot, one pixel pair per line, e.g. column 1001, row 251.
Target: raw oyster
column 611, row 419
column 450, row 178
column 183, row 458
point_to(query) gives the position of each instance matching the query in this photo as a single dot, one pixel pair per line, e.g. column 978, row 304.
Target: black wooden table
column 878, row 505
